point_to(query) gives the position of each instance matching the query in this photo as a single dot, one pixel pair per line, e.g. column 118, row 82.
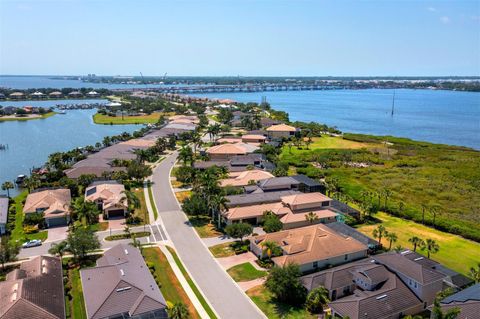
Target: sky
column 247, row 38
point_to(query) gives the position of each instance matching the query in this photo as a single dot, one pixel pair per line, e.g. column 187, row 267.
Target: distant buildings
column 35, row 290
column 53, row 204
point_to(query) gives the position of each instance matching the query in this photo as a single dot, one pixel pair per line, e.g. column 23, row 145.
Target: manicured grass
column 167, row 281
column 126, row 236
column 141, row 119
column 203, row 226
column 141, row 212
column 245, row 272
column 273, row 309
column 99, row 226
column 181, row 196
column 192, row 285
column 152, row 202
column 18, row 235
column 42, row 116
column 455, row 252
column 222, row 250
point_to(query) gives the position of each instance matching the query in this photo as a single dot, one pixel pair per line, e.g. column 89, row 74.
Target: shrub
column 284, row 283
column 271, row 223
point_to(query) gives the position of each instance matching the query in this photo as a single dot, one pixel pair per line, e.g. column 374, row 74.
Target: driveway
column 57, row 234
column 229, row 262
column 225, row 296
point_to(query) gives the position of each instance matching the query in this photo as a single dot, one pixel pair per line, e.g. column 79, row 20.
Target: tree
column 416, row 242
column 58, row 249
column 271, row 248
column 239, row 230
column 81, row 241
column 379, row 233
column 86, row 179
column 185, row 155
column 7, row 186
column 387, row 194
column 218, row 202
column 131, row 199
column 271, row 222
column 311, row 217
column 317, row 298
column 392, row 238
column 424, row 208
column 178, row 311
column 475, row 273
column 8, row 251
column 284, row 283
column 138, row 171
column 434, row 211
column 437, row 312
column 431, row 247
column 85, row 211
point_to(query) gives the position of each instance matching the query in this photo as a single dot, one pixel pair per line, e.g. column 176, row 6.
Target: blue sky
column 115, row 37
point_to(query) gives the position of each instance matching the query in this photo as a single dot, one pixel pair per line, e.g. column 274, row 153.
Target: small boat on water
column 20, row 179
column 62, row 112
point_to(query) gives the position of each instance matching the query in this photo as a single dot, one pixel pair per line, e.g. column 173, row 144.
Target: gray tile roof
column 3, row 210
column 352, row 232
column 277, row 182
column 258, row 198
column 470, row 293
column 306, row 180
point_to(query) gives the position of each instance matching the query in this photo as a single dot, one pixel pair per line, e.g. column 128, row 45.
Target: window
column 315, row 264
column 346, row 257
column 416, row 285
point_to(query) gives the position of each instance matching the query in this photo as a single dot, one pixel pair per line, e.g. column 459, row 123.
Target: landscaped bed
column 204, row 228
column 229, row 249
column 245, row 272
column 127, row 236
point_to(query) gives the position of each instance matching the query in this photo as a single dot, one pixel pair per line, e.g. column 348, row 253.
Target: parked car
column 32, row 243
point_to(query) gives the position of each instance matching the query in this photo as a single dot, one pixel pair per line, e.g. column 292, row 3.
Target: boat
column 62, row 112
column 393, row 103
column 20, row 179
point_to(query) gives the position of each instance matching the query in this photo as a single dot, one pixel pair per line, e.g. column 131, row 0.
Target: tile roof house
column 281, row 131
column 245, row 177
column 121, row 286
column 227, row 151
column 258, row 198
column 35, row 290
column 3, row 214
column 467, row 300
column 253, row 138
column 237, row 163
column 53, row 203
column 311, row 247
column 109, row 197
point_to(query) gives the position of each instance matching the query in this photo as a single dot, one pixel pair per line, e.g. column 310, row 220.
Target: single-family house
column 55, row 94
column 253, row 138
column 3, row 214
column 54, row 204
column 34, row 290
column 467, row 301
column 245, row 178
column 308, row 185
column 238, row 163
column 281, row 131
column 121, row 286
column 312, row 247
column 16, row 95
column 75, row 94
column 109, row 197
column 93, row 94
column 38, row 95
column 227, row 151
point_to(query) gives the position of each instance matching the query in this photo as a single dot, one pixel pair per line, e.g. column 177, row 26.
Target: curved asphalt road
column 223, row 294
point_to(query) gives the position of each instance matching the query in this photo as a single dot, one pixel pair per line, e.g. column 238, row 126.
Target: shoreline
column 10, row 118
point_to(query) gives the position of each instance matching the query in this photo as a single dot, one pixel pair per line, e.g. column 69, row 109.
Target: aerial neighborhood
column 215, row 195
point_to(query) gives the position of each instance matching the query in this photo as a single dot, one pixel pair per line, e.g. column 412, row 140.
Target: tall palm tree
column 424, row 208
column 387, row 193
column 379, row 233
column 185, row 154
column 218, row 203
column 311, row 217
column 270, row 248
column 132, row 200
column 416, row 242
column 58, row 249
column 431, row 247
column 7, row 186
column 475, row 273
column 85, row 211
column 434, row 211
column 31, row 183
column 317, row 298
column 392, row 238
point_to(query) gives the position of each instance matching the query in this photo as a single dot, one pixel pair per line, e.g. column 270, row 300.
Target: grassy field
column 222, row 250
column 415, row 174
column 42, row 116
column 141, row 212
column 152, row 202
column 113, row 120
column 167, row 281
column 245, row 272
column 192, row 285
column 18, row 235
column 203, row 226
column 455, row 252
column 276, row 310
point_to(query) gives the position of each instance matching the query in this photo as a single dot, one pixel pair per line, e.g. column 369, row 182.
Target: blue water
column 30, row 142
column 52, row 103
column 448, row 117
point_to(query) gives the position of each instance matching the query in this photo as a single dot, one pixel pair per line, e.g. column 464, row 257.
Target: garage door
column 115, row 213
column 60, row 221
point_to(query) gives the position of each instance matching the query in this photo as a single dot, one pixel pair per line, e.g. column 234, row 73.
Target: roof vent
column 123, row 289
column 418, row 258
column 126, row 252
column 405, row 252
column 122, row 272
column 381, row 297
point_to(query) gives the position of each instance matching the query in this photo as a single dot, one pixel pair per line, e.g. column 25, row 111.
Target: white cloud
column 445, row 20
column 431, row 9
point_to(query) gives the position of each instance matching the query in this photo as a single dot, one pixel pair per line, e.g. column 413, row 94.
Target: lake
column 448, row 117
column 30, row 142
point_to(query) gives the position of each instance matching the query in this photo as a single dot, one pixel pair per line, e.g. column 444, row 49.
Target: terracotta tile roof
column 281, row 128
column 243, row 178
column 229, row 140
column 253, row 137
column 311, row 243
column 245, row 212
column 232, row 149
column 120, row 283
column 110, row 193
column 305, row 198
column 300, row 217
column 56, row 202
column 34, row 291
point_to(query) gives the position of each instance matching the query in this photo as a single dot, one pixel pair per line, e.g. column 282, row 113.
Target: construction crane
column 143, row 79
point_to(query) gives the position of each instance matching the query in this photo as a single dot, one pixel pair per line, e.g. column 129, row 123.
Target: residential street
column 224, row 295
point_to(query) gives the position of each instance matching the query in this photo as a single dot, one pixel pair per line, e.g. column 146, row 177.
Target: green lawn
column 166, row 279
column 18, row 235
column 141, row 119
column 192, row 285
column 455, row 252
column 203, row 226
column 152, row 202
column 43, row 116
column 222, row 250
column 141, row 212
column 245, row 272
column 276, row 310
column 99, row 226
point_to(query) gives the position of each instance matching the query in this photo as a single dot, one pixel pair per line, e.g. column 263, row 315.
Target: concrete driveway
column 117, row 223
column 57, row 233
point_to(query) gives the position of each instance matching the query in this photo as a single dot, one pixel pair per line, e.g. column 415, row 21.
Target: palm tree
column 178, row 311
column 31, row 183
column 437, row 312
column 311, row 217
column 218, row 203
column 434, row 211
column 270, row 248
column 317, row 298
column 431, row 247
column 416, row 242
column 475, row 273
column 196, row 141
column 387, row 194
column 424, row 208
column 185, row 154
column 132, row 200
column 392, row 238
column 85, row 211
column 58, row 249
column 7, row 186
column 379, row 233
